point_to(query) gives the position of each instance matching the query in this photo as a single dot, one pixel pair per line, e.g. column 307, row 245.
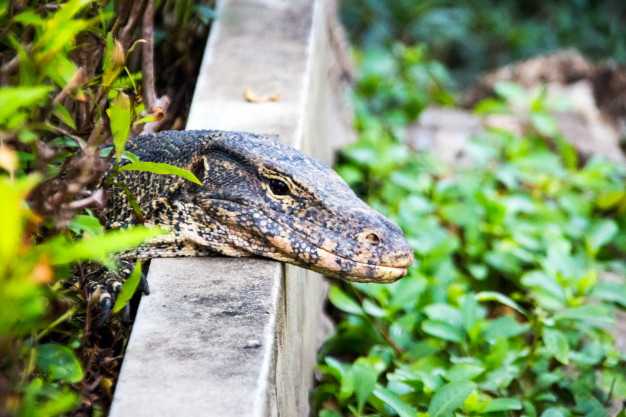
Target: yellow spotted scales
column 258, row 197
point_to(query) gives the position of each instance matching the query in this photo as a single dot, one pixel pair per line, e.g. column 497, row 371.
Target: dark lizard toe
column 104, row 309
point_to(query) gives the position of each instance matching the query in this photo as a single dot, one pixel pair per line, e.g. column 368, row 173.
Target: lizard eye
column 278, row 187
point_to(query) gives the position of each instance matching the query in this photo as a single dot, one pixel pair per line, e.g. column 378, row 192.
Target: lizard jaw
column 337, row 266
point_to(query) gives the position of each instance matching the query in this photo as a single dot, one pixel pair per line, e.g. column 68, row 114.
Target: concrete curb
column 238, row 337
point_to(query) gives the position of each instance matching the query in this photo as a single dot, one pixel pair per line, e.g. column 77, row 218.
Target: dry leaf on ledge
column 250, row 97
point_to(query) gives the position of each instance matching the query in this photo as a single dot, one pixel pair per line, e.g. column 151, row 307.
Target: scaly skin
column 312, row 219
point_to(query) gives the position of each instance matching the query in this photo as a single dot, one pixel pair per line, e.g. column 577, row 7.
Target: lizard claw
column 125, row 314
column 105, row 285
column 143, row 284
column 104, row 309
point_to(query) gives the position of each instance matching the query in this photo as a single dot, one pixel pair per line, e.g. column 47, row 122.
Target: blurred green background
column 520, row 266
column 471, row 36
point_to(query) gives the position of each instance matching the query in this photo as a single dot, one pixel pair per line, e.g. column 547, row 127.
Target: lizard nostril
column 373, row 239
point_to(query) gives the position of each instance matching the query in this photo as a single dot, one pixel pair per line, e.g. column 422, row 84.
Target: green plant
column 520, row 265
column 68, row 88
column 469, row 37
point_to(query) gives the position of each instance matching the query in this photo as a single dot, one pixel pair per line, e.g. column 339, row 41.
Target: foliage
column 69, row 86
column 388, row 78
column 519, row 270
column 470, row 37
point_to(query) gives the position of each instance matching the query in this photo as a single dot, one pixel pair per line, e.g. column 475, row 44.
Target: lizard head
column 265, row 198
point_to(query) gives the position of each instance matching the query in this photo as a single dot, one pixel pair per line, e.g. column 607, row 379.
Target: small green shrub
column 69, row 99
column 520, row 265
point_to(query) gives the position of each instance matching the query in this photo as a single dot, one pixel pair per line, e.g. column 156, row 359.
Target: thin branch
column 147, row 63
column 127, row 32
column 147, row 57
column 79, row 78
column 10, row 67
column 381, row 329
column 96, row 199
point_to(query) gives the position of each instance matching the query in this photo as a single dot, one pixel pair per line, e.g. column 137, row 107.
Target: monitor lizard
column 258, row 197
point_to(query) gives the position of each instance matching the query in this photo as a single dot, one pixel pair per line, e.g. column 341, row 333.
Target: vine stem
column 373, row 321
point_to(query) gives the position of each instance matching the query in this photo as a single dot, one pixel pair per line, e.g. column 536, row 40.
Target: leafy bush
column 519, row 270
column 470, row 37
column 69, row 98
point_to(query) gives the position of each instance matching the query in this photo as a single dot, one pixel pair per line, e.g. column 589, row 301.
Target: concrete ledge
column 199, row 339
column 238, row 337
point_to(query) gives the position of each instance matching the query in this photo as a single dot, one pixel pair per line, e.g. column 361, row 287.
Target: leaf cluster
column 71, row 78
column 520, row 266
column 470, row 37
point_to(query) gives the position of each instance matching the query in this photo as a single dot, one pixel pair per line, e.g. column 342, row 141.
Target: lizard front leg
column 103, row 285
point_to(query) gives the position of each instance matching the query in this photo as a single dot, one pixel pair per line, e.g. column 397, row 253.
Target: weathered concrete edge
column 283, row 372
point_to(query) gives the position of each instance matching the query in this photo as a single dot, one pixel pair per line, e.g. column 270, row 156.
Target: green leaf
column 97, row 248
column 147, row 119
column 61, row 112
column 14, row 98
column 509, row 91
column 337, row 369
column 114, row 60
column 58, row 362
column 491, row 106
column 343, row 302
column 394, row 401
column 464, row 372
column 501, row 404
column 87, row 224
column 594, row 314
column 120, row 115
column 504, row 327
column 128, row 288
column 160, row 168
column 372, row 309
column 545, row 124
column 443, row 330
column 205, row 12
column 104, row 152
column 444, row 312
column 29, row 17
column 501, row 298
column 11, row 213
column 450, row 397
column 557, row 345
column 610, row 199
column 552, row 412
column 601, row 233
column 611, row 291
column 62, row 402
column 364, row 377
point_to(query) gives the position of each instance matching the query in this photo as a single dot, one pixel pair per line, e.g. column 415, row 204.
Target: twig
column 10, row 67
column 147, row 56
column 7, row 69
column 69, row 313
column 147, row 63
column 126, row 34
column 80, row 77
column 377, row 324
column 96, row 199
column 64, row 132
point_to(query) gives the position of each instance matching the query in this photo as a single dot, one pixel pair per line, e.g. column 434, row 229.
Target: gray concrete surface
column 238, row 337
column 202, row 340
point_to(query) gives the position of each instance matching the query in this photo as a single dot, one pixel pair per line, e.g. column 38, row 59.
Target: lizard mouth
column 350, row 270
column 289, row 246
column 338, row 266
